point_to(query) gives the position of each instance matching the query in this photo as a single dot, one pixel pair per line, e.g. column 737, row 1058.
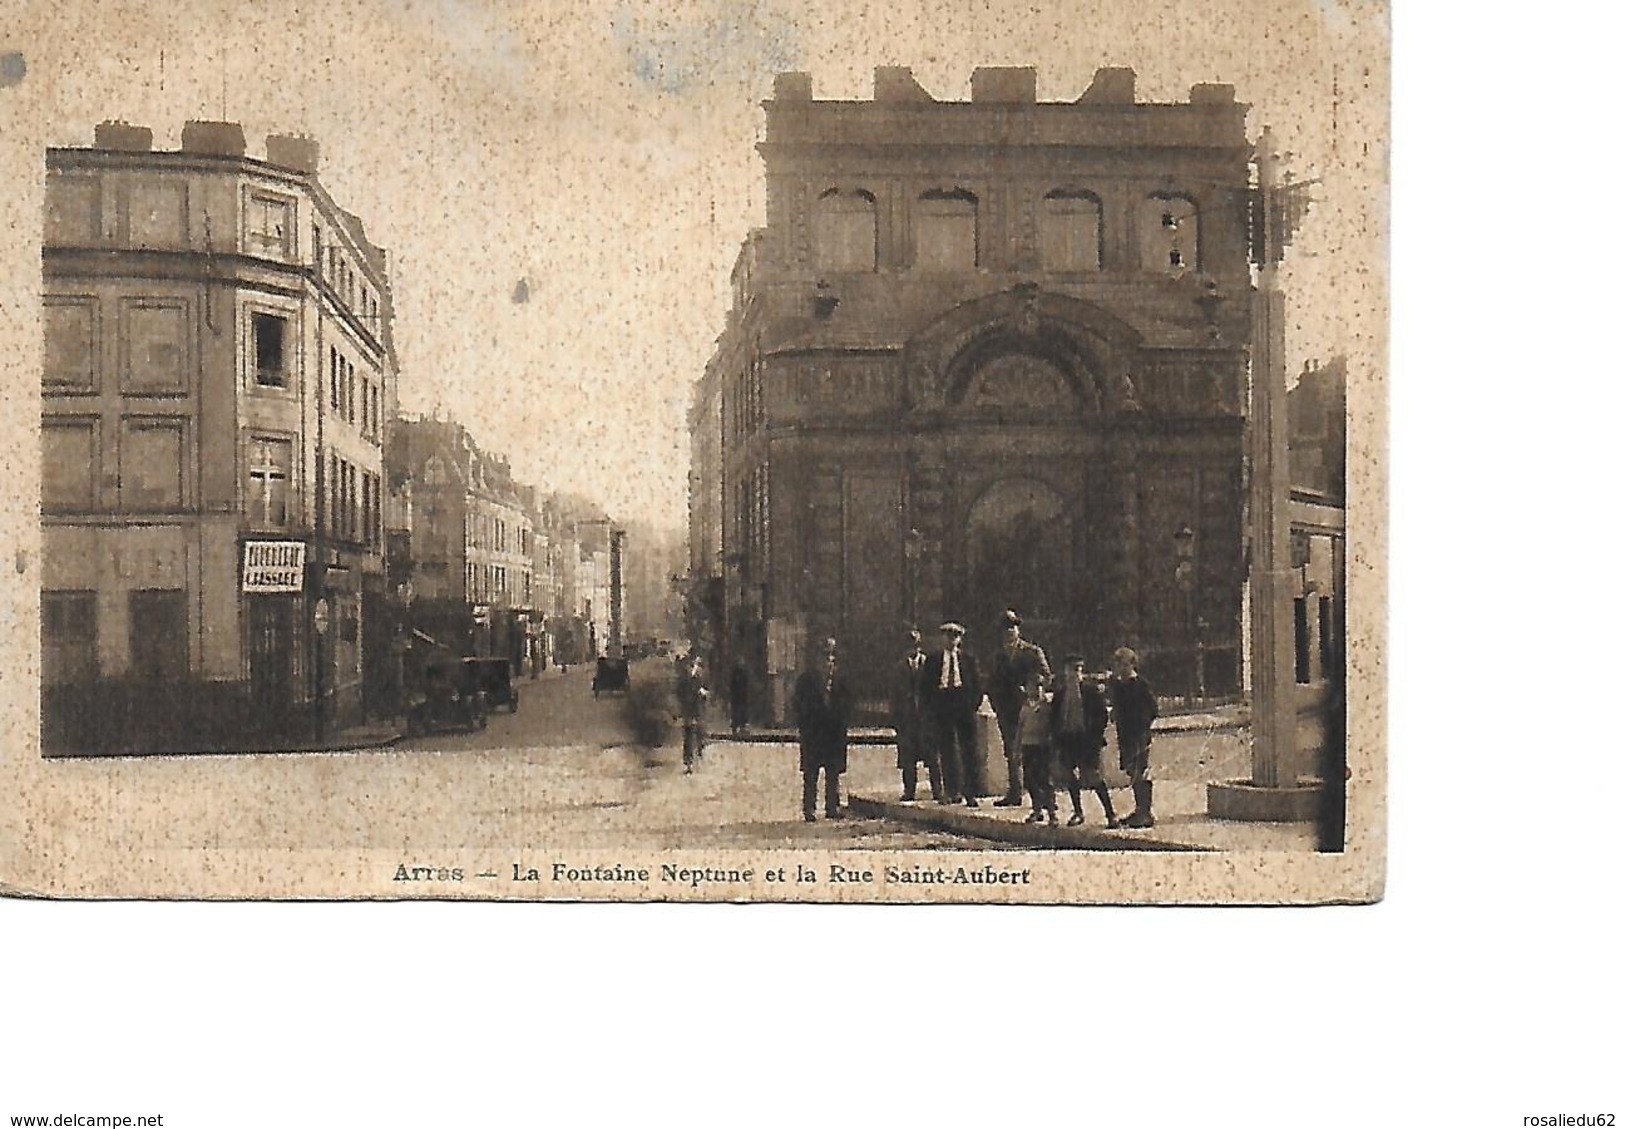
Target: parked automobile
column 452, row 699
column 494, row 677
column 611, row 676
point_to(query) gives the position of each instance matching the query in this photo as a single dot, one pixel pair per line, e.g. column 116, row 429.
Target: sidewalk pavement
column 1181, row 812
column 373, row 735
column 1194, row 749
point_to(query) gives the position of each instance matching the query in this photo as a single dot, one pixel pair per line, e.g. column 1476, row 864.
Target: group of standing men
column 1044, row 723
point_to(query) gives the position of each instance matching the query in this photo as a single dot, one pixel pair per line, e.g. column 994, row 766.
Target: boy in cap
column 1078, row 719
column 1134, row 708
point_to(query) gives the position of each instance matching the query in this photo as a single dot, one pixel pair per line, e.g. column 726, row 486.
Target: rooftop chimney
column 896, row 84
column 1004, row 84
column 123, row 136
column 300, row 154
column 1113, row 85
column 218, row 139
column 1212, row 94
column 792, row 86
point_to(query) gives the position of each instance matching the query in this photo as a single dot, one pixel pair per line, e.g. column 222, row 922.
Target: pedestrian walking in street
column 1013, row 667
column 1134, row 708
column 1078, row 719
column 951, row 691
column 908, row 720
column 823, row 710
column 692, row 693
column 739, row 697
column 1033, row 739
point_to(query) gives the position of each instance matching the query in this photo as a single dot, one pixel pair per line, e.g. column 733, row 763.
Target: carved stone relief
column 1018, row 381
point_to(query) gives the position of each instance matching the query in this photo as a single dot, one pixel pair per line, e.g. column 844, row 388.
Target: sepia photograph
column 718, row 452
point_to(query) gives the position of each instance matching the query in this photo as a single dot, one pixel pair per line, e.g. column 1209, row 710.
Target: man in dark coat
column 1013, row 670
column 691, row 695
column 914, row 744
column 823, row 711
column 951, row 693
column 1134, row 708
column 739, row 697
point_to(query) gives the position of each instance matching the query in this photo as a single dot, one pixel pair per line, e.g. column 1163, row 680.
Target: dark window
column 67, row 637
column 1328, row 641
column 1300, row 637
column 269, row 332
column 335, row 497
column 1300, row 549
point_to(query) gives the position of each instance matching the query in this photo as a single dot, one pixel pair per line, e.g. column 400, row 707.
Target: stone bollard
column 989, row 750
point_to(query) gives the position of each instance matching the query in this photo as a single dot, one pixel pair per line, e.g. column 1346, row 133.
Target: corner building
column 985, row 354
column 218, row 381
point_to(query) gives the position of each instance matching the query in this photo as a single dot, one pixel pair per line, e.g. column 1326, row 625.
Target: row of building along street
column 244, row 540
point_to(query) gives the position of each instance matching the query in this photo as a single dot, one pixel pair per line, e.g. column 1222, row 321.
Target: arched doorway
column 1018, row 553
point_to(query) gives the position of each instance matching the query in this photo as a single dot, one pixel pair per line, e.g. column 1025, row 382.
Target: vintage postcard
column 709, row 450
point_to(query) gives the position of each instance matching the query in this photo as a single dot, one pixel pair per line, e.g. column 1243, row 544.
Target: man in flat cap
column 951, row 690
column 823, row 711
column 1014, row 668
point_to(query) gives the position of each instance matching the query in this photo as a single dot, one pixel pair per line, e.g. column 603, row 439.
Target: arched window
column 844, row 232
column 945, row 230
column 1069, row 230
column 1170, row 234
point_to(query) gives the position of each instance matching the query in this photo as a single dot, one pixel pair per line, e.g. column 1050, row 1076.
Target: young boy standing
column 1080, row 733
column 1134, row 708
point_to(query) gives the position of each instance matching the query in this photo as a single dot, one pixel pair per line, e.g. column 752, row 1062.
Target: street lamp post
column 913, row 546
column 1185, row 578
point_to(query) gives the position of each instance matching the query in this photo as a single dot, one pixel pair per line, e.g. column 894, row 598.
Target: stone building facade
column 217, row 388
column 1317, row 451
column 984, row 354
column 471, row 552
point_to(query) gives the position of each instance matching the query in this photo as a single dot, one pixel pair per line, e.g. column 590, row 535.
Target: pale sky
column 603, row 152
